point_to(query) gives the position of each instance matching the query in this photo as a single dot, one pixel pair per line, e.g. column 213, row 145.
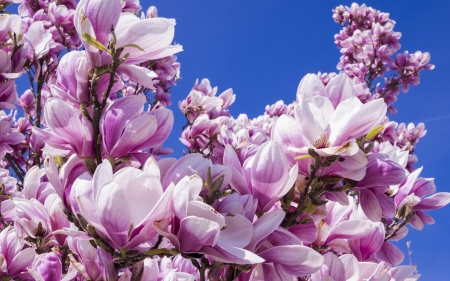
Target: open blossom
column 328, row 120
column 124, row 118
column 265, row 175
column 67, row 130
column 420, row 194
column 8, row 94
column 14, row 258
column 199, row 228
column 153, row 37
column 347, row 267
column 72, row 82
column 8, row 135
column 118, row 205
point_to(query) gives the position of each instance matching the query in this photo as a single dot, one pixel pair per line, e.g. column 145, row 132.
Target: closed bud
column 401, row 212
column 409, row 213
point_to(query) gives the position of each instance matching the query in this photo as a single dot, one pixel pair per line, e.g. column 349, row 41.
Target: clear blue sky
column 262, row 49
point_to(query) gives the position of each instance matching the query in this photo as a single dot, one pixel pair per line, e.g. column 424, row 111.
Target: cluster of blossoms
column 319, row 189
column 367, row 43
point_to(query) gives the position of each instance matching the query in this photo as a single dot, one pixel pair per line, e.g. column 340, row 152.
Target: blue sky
column 262, row 49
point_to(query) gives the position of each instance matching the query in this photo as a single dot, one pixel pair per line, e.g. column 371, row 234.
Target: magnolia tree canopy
column 317, row 189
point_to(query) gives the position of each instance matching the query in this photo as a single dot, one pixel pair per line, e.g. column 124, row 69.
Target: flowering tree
column 314, row 190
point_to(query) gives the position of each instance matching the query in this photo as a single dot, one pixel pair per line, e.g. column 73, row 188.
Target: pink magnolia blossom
column 67, row 130
column 118, row 205
column 124, row 118
column 421, row 194
column 265, row 175
column 8, row 135
column 328, row 120
column 14, row 258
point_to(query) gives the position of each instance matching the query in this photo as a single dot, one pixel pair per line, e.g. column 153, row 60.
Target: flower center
column 322, row 142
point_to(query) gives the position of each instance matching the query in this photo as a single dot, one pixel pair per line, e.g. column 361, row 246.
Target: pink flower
column 67, row 131
column 328, row 120
column 265, row 175
column 123, row 206
column 8, row 135
column 127, row 130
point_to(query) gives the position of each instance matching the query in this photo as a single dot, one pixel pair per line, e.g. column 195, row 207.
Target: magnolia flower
column 420, row 194
column 123, row 206
column 72, row 78
column 328, row 120
column 8, row 135
column 265, row 175
column 199, row 228
column 141, row 39
column 8, row 94
column 347, row 268
column 67, row 130
column 126, row 130
column 14, row 259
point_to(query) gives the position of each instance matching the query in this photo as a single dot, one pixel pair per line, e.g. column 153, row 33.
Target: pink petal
column 264, row 226
column 103, row 174
column 141, row 75
column 141, row 128
column 306, row 232
column 282, row 236
column 21, row 261
column 311, row 85
column 352, row 229
column 264, row 272
column 339, row 89
column 238, row 232
column 363, row 248
column 118, row 114
column 164, row 122
column 295, row 260
column 154, row 35
column 370, row 206
column 434, row 202
column 229, row 254
column 332, row 267
column 114, row 213
column 390, row 254
column 196, row 233
column 31, row 183
column 64, row 121
column 353, row 119
column 386, row 203
column 268, row 173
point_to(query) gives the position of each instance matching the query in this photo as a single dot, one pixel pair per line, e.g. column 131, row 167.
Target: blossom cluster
column 367, row 43
column 319, row 189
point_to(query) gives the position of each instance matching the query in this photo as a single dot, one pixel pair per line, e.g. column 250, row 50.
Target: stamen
column 322, row 142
